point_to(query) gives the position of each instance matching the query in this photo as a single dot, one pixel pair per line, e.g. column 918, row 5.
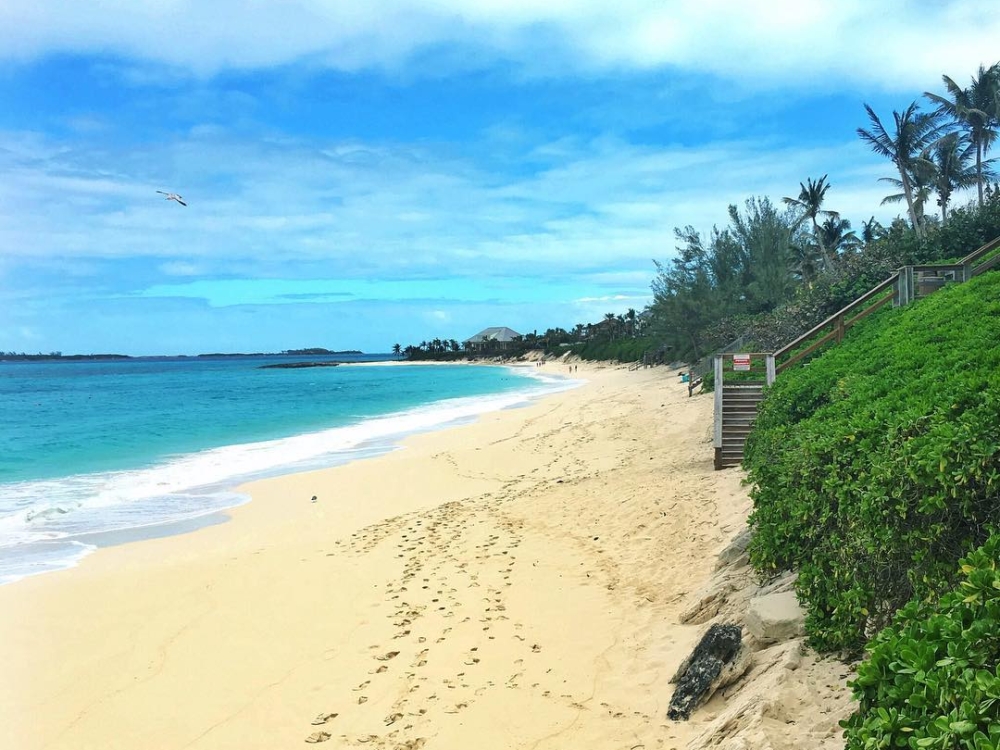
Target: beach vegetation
column 772, row 272
column 931, row 679
column 876, row 466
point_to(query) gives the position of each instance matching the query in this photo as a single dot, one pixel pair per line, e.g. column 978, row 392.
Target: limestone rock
column 775, row 617
column 735, row 552
column 707, row 602
column 783, row 583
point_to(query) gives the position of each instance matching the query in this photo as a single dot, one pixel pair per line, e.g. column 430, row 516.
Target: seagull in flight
column 172, row 197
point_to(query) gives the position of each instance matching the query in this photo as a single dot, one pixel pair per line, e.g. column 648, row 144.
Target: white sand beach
column 514, row 583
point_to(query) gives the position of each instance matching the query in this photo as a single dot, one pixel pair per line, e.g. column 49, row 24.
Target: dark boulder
column 700, row 675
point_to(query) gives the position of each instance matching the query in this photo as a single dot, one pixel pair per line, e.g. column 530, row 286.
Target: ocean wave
column 43, row 522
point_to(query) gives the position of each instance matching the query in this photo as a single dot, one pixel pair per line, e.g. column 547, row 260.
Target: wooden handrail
column 850, row 308
column 837, row 333
column 977, row 254
column 942, row 267
column 842, row 323
column 986, row 265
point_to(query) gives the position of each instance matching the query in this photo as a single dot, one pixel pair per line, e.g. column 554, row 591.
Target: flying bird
column 172, row 197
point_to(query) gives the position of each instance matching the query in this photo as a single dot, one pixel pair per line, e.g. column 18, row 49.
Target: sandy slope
column 515, row 583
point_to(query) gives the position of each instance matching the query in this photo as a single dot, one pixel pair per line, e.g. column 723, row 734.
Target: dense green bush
column 620, row 350
column 876, row 466
column 933, row 679
column 967, row 229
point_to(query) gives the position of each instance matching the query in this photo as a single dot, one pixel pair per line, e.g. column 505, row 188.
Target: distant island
column 314, row 352
column 296, row 365
column 59, row 356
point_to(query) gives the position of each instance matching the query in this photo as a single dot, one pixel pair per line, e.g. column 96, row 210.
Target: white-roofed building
column 498, row 338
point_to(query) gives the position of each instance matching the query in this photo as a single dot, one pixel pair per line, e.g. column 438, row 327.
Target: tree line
column 777, row 269
column 628, row 326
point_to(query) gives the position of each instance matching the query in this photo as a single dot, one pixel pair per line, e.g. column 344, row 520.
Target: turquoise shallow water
column 92, row 447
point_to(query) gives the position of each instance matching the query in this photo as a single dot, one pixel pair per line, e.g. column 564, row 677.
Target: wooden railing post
column 769, row 367
column 717, row 434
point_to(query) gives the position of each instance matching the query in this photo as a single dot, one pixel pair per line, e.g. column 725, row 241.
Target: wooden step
column 739, row 410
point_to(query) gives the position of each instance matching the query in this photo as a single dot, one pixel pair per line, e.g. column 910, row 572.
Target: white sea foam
column 44, row 525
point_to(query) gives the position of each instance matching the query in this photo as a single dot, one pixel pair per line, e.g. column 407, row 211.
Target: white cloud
column 896, row 44
column 598, row 213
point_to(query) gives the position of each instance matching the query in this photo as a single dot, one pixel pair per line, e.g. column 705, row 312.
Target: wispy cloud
column 805, row 43
column 390, row 212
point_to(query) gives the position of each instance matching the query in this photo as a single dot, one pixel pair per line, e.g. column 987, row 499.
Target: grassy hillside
column 876, row 466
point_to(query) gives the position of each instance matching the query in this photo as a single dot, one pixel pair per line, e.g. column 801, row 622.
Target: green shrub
column 876, row 466
column 933, row 680
column 620, row 350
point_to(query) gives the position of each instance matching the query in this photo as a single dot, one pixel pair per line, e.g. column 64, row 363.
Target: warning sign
column 741, row 362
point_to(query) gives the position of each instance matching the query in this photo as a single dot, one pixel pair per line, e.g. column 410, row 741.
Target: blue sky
column 362, row 174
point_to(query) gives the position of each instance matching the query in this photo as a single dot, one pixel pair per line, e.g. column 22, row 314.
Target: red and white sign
column 741, row 362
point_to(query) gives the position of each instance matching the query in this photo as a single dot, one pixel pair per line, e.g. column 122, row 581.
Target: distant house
column 493, row 340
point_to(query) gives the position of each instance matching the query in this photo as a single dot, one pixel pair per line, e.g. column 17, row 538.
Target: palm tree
column 952, row 157
column 921, row 181
column 975, row 110
column 609, row 324
column 810, row 201
column 806, row 261
column 397, row 350
column 838, row 235
column 913, row 133
column 871, row 231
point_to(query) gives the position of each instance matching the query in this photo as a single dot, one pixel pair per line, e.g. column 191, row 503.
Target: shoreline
column 513, row 582
column 70, row 550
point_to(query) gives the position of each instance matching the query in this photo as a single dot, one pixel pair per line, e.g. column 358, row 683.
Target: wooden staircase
column 739, row 409
column 740, row 380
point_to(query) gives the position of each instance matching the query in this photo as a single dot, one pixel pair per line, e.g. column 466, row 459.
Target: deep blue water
column 89, row 447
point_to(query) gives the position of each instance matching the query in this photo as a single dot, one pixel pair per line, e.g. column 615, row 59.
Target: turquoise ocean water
column 88, row 448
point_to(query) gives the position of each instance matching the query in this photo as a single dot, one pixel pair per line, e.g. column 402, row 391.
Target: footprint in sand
column 388, row 655
column 323, row 719
column 318, row 737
